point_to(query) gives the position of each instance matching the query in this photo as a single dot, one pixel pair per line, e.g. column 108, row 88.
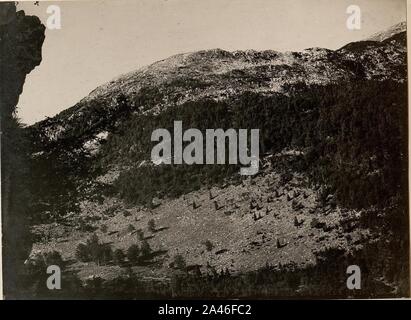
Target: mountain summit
column 383, row 35
column 220, row 75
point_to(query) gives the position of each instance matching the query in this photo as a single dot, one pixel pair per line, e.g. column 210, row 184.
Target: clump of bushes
column 103, row 228
column 85, row 226
column 133, row 253
column 41, row 261
column 179, row 262
column 209, row 245
column 118, row 257
column 145, row 249
column 130, row 228
column 140, row 234
column 152, row 225
column 93, row 250
column 137, row 254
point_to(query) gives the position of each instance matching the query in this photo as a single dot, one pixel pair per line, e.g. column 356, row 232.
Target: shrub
column 118, row 256
column 179, row 262
column 209, row 246
column 315, row 223
column 133, row 253
column 145, row 249
column 93, row 250
column 111, row 211
column 38, row 264
column 140, row 234
column 285, row 178
column 53, row 258
column 105, row 254
column 93, row 246
column 83, row 253
column 152, row 225
column 86, row 227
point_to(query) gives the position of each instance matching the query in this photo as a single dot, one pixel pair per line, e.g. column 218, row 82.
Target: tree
column 105, row 254
column 133, row 253
column 85, row 227
column 93, row 240
column 152, row 225
column 145, row 249
column 140, row 234
column 83, row 253
column 53, row 258
column 226, row 272
column 130, row 228
column 93, row 250
column 118, row 256
column 209, row 246
column 93, row 246
column 103, row 228
column 179, row 262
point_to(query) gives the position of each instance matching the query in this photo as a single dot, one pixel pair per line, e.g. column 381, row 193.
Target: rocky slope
column 386, row 34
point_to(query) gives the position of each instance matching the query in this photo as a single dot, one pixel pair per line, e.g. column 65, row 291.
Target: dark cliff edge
column 21, row 40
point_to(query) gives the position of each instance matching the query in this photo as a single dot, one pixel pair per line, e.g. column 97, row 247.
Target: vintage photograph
column 216, row 149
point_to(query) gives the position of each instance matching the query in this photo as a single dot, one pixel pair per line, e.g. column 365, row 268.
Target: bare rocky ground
column 256, row 222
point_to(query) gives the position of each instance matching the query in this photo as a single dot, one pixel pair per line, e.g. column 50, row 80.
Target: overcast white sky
column 100, row 40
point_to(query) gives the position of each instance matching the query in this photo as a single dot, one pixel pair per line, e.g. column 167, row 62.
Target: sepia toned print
column 214, row 149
